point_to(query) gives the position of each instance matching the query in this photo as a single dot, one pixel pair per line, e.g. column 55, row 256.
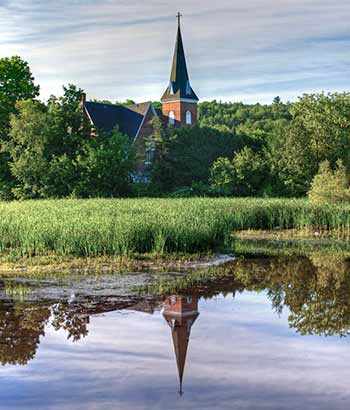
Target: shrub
column 330, row 186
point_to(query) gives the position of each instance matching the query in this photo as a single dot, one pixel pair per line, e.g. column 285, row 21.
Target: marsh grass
column 98, row 227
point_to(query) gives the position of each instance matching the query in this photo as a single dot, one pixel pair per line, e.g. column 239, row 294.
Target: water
column 230, row 344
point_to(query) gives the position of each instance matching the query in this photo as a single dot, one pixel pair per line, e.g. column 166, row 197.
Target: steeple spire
column 179, row 86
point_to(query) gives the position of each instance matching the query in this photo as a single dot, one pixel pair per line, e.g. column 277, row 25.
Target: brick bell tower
column 179, row 102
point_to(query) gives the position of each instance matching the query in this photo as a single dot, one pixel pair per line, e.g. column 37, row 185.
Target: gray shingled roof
column 179, row 85
column 108, row 116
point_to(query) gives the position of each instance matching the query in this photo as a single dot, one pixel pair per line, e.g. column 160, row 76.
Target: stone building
column 179, row 108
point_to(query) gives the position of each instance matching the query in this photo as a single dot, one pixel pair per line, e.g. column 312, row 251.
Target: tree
column 319, row 131
column 43, row 144
column 185, row 155
column 16, row 84
column 105, row 166
column 330, row 186
column 245, row 175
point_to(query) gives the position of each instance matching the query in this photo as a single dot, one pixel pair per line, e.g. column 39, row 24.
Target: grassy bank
column 120, row 227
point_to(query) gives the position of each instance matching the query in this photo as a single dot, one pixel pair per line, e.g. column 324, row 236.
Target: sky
column 237, row 50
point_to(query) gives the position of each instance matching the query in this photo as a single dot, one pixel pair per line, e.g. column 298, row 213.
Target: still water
column 226, row 345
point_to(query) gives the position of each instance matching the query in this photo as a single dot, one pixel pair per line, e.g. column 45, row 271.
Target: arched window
column 188, row 118
column 171, row 118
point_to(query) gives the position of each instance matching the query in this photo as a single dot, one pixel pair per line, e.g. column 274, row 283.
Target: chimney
column 82, row 100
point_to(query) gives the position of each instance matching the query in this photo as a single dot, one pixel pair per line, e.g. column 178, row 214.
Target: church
column 179, row 108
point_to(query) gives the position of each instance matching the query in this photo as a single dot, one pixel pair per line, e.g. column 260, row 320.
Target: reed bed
column 124, row 226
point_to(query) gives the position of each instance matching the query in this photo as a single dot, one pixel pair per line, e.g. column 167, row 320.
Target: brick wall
column 180, row 108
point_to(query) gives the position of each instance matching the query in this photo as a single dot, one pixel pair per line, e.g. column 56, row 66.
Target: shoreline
column 249, row 243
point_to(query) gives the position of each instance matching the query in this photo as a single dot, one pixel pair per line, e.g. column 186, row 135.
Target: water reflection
column 315, row 297
column 21, row 327
column 181, row 312
column 315, row 291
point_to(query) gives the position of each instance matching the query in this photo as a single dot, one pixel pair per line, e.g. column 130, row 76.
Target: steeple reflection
column 181, row 312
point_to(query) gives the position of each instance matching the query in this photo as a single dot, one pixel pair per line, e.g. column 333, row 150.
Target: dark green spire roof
column 179, row 86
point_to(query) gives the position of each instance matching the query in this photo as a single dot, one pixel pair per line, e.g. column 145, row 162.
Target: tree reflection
column 70, row 319
column 20, row 329
column 316, row 291
column 23, row 324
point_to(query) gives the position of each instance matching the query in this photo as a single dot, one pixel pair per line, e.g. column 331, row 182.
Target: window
column 188, row 118
column 171, row 118
column 150, row 153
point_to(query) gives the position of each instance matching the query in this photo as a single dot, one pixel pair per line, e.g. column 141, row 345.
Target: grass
column 98, row 227
column 289, row 242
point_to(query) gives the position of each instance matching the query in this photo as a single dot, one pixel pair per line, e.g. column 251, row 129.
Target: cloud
column 243, row 50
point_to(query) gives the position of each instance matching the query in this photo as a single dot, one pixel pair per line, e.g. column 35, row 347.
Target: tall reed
column 122, row 226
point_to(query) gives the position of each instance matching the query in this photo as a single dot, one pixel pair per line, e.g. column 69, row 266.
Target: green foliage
column 105, row 166
column 122, row 226
column 16, row 84
column 186, row 154
column 256, row 120
column 52, row 153
column 245, row 175
column 330, row 186
column 223, row 176
column 319, row 131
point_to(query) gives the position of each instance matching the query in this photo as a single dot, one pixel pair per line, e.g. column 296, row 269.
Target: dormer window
column 171, row 118
column 188, row 88
column 188, row 118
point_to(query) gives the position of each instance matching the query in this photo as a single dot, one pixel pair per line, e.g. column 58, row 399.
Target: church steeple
column 179, row 89
column 179, row 86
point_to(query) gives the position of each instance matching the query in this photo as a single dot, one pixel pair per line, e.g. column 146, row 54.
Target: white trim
column 88, row 114
column 180, row 100
column 154, row 111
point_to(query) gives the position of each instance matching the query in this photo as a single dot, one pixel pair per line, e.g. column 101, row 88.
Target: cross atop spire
column 178, row 16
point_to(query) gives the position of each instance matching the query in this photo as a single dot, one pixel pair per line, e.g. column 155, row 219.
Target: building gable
column 106, row 117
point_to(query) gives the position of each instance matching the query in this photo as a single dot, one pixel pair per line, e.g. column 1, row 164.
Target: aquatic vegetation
column 125, row 226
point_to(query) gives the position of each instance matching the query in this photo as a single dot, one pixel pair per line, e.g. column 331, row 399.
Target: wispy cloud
column 117, row 49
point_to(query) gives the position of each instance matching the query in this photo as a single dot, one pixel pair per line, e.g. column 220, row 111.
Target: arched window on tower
column 188, row 118
column 171, row 118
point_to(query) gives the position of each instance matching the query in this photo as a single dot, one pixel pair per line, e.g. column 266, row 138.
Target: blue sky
column 237, row 50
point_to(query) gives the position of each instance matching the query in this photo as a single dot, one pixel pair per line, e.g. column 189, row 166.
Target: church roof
column 108, row 116
column 179, row 85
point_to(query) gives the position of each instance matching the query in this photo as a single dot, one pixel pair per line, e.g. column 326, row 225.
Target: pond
column 270, row 334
